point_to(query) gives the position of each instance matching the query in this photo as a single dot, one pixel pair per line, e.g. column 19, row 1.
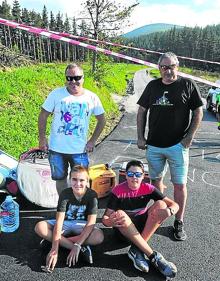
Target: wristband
column 77, row 245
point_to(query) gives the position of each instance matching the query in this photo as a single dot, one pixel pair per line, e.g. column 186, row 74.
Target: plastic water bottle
column 9, row 215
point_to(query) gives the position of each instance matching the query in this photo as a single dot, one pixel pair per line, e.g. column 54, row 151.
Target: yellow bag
column 102, row 179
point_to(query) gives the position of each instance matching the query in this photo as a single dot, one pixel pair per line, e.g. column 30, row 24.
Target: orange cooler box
column 122, row 173
column 102, row 179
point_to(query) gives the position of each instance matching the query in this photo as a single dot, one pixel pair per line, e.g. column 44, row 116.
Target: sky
column 179, row 12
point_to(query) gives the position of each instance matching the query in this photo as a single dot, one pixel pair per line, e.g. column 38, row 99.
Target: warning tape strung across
column 44, row 32
column 127, row 47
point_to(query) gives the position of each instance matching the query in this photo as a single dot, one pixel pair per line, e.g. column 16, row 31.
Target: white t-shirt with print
column 71, row 115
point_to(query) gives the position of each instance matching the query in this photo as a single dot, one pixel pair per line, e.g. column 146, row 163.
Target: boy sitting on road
column 128, row 213
column 76, row 217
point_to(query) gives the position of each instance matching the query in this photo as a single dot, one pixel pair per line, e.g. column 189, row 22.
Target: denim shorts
column 74, row 227
column 176, row 156
column 60, row 162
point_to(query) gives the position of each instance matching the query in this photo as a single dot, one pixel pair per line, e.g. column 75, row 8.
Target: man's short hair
column 135, row 163
column 169, row 55
column 73, row 65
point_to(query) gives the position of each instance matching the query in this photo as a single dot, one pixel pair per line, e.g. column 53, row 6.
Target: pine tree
column 16, row 10
column 5, row 10
column 45, row 21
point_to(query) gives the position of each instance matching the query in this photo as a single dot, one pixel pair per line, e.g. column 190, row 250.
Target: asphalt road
column 197, row 258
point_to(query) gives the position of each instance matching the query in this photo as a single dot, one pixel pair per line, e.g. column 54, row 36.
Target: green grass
column 23, row 90
column 115, row 78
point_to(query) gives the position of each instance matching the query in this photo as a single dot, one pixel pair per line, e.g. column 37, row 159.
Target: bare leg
column 159, row 184
column 152, row 223
column 154, row 219
column 180, row 197
column 135, row 237
column 45, row 230
column 61, row 185
column 96, row 237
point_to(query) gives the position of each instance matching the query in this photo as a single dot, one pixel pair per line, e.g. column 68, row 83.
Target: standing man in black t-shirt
column 74, row 227
column 175, row 112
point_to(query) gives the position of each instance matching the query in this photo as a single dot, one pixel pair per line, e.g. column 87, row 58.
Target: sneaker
column 138, row 259
column 218, row 127
column 167, row 268
column 86, row 253
column 179, row 233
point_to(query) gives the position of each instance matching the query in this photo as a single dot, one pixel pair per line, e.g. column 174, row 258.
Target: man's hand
column 187, row 141
column 73, row 256
column 43, row 144
column 142, row 144
column 90, row 146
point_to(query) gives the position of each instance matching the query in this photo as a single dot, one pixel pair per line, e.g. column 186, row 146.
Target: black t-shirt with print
column 77, row 210
column 170, row 108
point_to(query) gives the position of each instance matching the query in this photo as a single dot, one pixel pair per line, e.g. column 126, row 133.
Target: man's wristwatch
column 171, row 211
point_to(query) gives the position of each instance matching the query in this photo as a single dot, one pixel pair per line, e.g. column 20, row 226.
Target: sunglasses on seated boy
column 132, row 174
column 75, row 78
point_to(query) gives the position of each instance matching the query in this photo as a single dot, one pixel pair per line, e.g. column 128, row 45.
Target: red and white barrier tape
column 128, row 47
column 52, row 35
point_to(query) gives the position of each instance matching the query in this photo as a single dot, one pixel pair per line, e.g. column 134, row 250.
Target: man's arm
column 98, row 129
column 194, row 125
column 141, row 124
column 42, row 125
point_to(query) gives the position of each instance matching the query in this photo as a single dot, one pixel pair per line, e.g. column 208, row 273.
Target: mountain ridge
column 150, row 28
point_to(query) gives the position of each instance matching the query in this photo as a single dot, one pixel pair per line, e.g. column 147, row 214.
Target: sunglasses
column 132, row 174
column 166, row 67
column 75, row 78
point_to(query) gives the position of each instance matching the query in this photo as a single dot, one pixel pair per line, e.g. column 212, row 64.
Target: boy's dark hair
column 80, row 169
column 136, row 163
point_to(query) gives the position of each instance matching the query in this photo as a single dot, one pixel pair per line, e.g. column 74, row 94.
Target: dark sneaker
column 86, row 253
column 179, row 233
column 219, row 127
column 167, row 268
column 138, row 259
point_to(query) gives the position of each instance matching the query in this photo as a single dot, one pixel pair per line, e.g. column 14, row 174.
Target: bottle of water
column 9, row 215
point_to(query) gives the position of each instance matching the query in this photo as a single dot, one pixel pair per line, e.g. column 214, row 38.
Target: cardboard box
column 122, row 173
column 102, row 179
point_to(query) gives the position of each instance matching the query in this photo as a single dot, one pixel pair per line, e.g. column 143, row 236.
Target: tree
column 74, row 26
column 25, row 18
column 5, row 10
column 16, row 10
column 45, row 21
column 105, row 18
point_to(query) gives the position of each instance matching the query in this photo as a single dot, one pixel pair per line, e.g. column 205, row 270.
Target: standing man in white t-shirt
column 72, row 107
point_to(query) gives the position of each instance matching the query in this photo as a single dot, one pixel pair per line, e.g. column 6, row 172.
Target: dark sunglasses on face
column 132, row 174
column 166, row 67
column 75, row 78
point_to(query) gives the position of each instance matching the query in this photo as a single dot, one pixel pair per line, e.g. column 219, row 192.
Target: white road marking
column 206, row 173
column 193, row 176
column 130, row 143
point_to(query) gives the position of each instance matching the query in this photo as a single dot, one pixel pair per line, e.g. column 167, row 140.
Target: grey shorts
column 70, row 227
column 176, row 156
